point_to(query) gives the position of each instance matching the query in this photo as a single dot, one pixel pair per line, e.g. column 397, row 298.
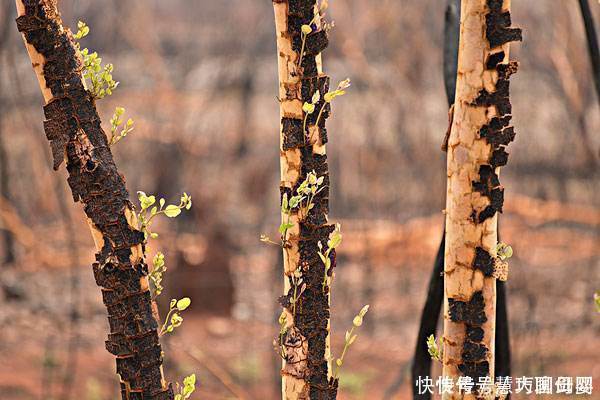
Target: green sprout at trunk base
column 435, row 348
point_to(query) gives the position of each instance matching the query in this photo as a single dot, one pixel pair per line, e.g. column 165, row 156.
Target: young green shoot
column 504, row 251
column 174, row 319
column 115, row 122
column 597, row 300
column 98, row 79
column 435, row 348
column 156, row 274
column 307, row 29
column 282, row 331
column 303, row 201
column 148, row 211
column 296, row 280
column 350, row 338
column 329, row 96
column 309, row 108
column 335, row 239
column 188, row 387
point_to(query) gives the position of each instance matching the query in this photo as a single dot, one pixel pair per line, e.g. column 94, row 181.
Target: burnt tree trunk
column 306, row 372
column 421, row 363
column 476, row 150
column 73, row 128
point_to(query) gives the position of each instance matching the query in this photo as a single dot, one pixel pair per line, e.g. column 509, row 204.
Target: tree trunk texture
column 306, row 372
column 421, row 363
column 476, row 149
column 73, row 128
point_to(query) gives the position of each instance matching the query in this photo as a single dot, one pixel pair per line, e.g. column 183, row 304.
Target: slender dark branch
column 7, row 235
column 592, row 42
column 421, row 364
column 502, row 358
column 451, row 37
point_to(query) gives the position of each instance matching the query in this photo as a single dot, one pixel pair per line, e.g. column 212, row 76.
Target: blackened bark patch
column 496, row 132
column 293, row 137
column 475, row 370
column 309, row 67
column 497, row 199
column 483, row 261
column 498, row 30
column 312, row 307
column 73, row 128
column 488, row 212
column 474, row 352
column 499, row 157
column 494, row 59
column 474, row 333
column 316, row 42
column 471, row 312
column 301, row 7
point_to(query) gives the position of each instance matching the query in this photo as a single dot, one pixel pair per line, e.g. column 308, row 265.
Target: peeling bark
column 76, row 137
column 306, row 372
column 476, row 150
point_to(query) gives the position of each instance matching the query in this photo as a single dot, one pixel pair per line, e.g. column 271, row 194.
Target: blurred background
column 199, row 78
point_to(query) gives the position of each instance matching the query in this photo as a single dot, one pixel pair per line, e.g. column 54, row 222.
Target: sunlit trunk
column 476, row 150
column 306, row 372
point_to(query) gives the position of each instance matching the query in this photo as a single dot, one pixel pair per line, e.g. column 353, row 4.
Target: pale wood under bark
column 295, row 373
column 466, row 152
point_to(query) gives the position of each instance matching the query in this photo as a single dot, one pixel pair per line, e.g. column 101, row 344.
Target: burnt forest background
column 200, row 80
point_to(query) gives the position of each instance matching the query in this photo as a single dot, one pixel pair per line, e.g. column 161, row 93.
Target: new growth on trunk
column 76, row 137
column 304, row 106
column 477, row 144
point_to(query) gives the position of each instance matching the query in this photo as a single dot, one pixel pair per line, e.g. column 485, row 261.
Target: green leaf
column 172, row 211
column 284, row 203
column 285, row 226
column 183, row 303
column 190, row 380
column 308, row 108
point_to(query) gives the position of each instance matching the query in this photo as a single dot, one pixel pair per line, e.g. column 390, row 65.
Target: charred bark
column 476, row 149
column 306, row 372
column 73, row 128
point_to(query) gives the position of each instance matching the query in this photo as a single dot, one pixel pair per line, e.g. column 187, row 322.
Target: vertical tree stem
column 76, row 137
column 306, row 372
column 476, row 150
